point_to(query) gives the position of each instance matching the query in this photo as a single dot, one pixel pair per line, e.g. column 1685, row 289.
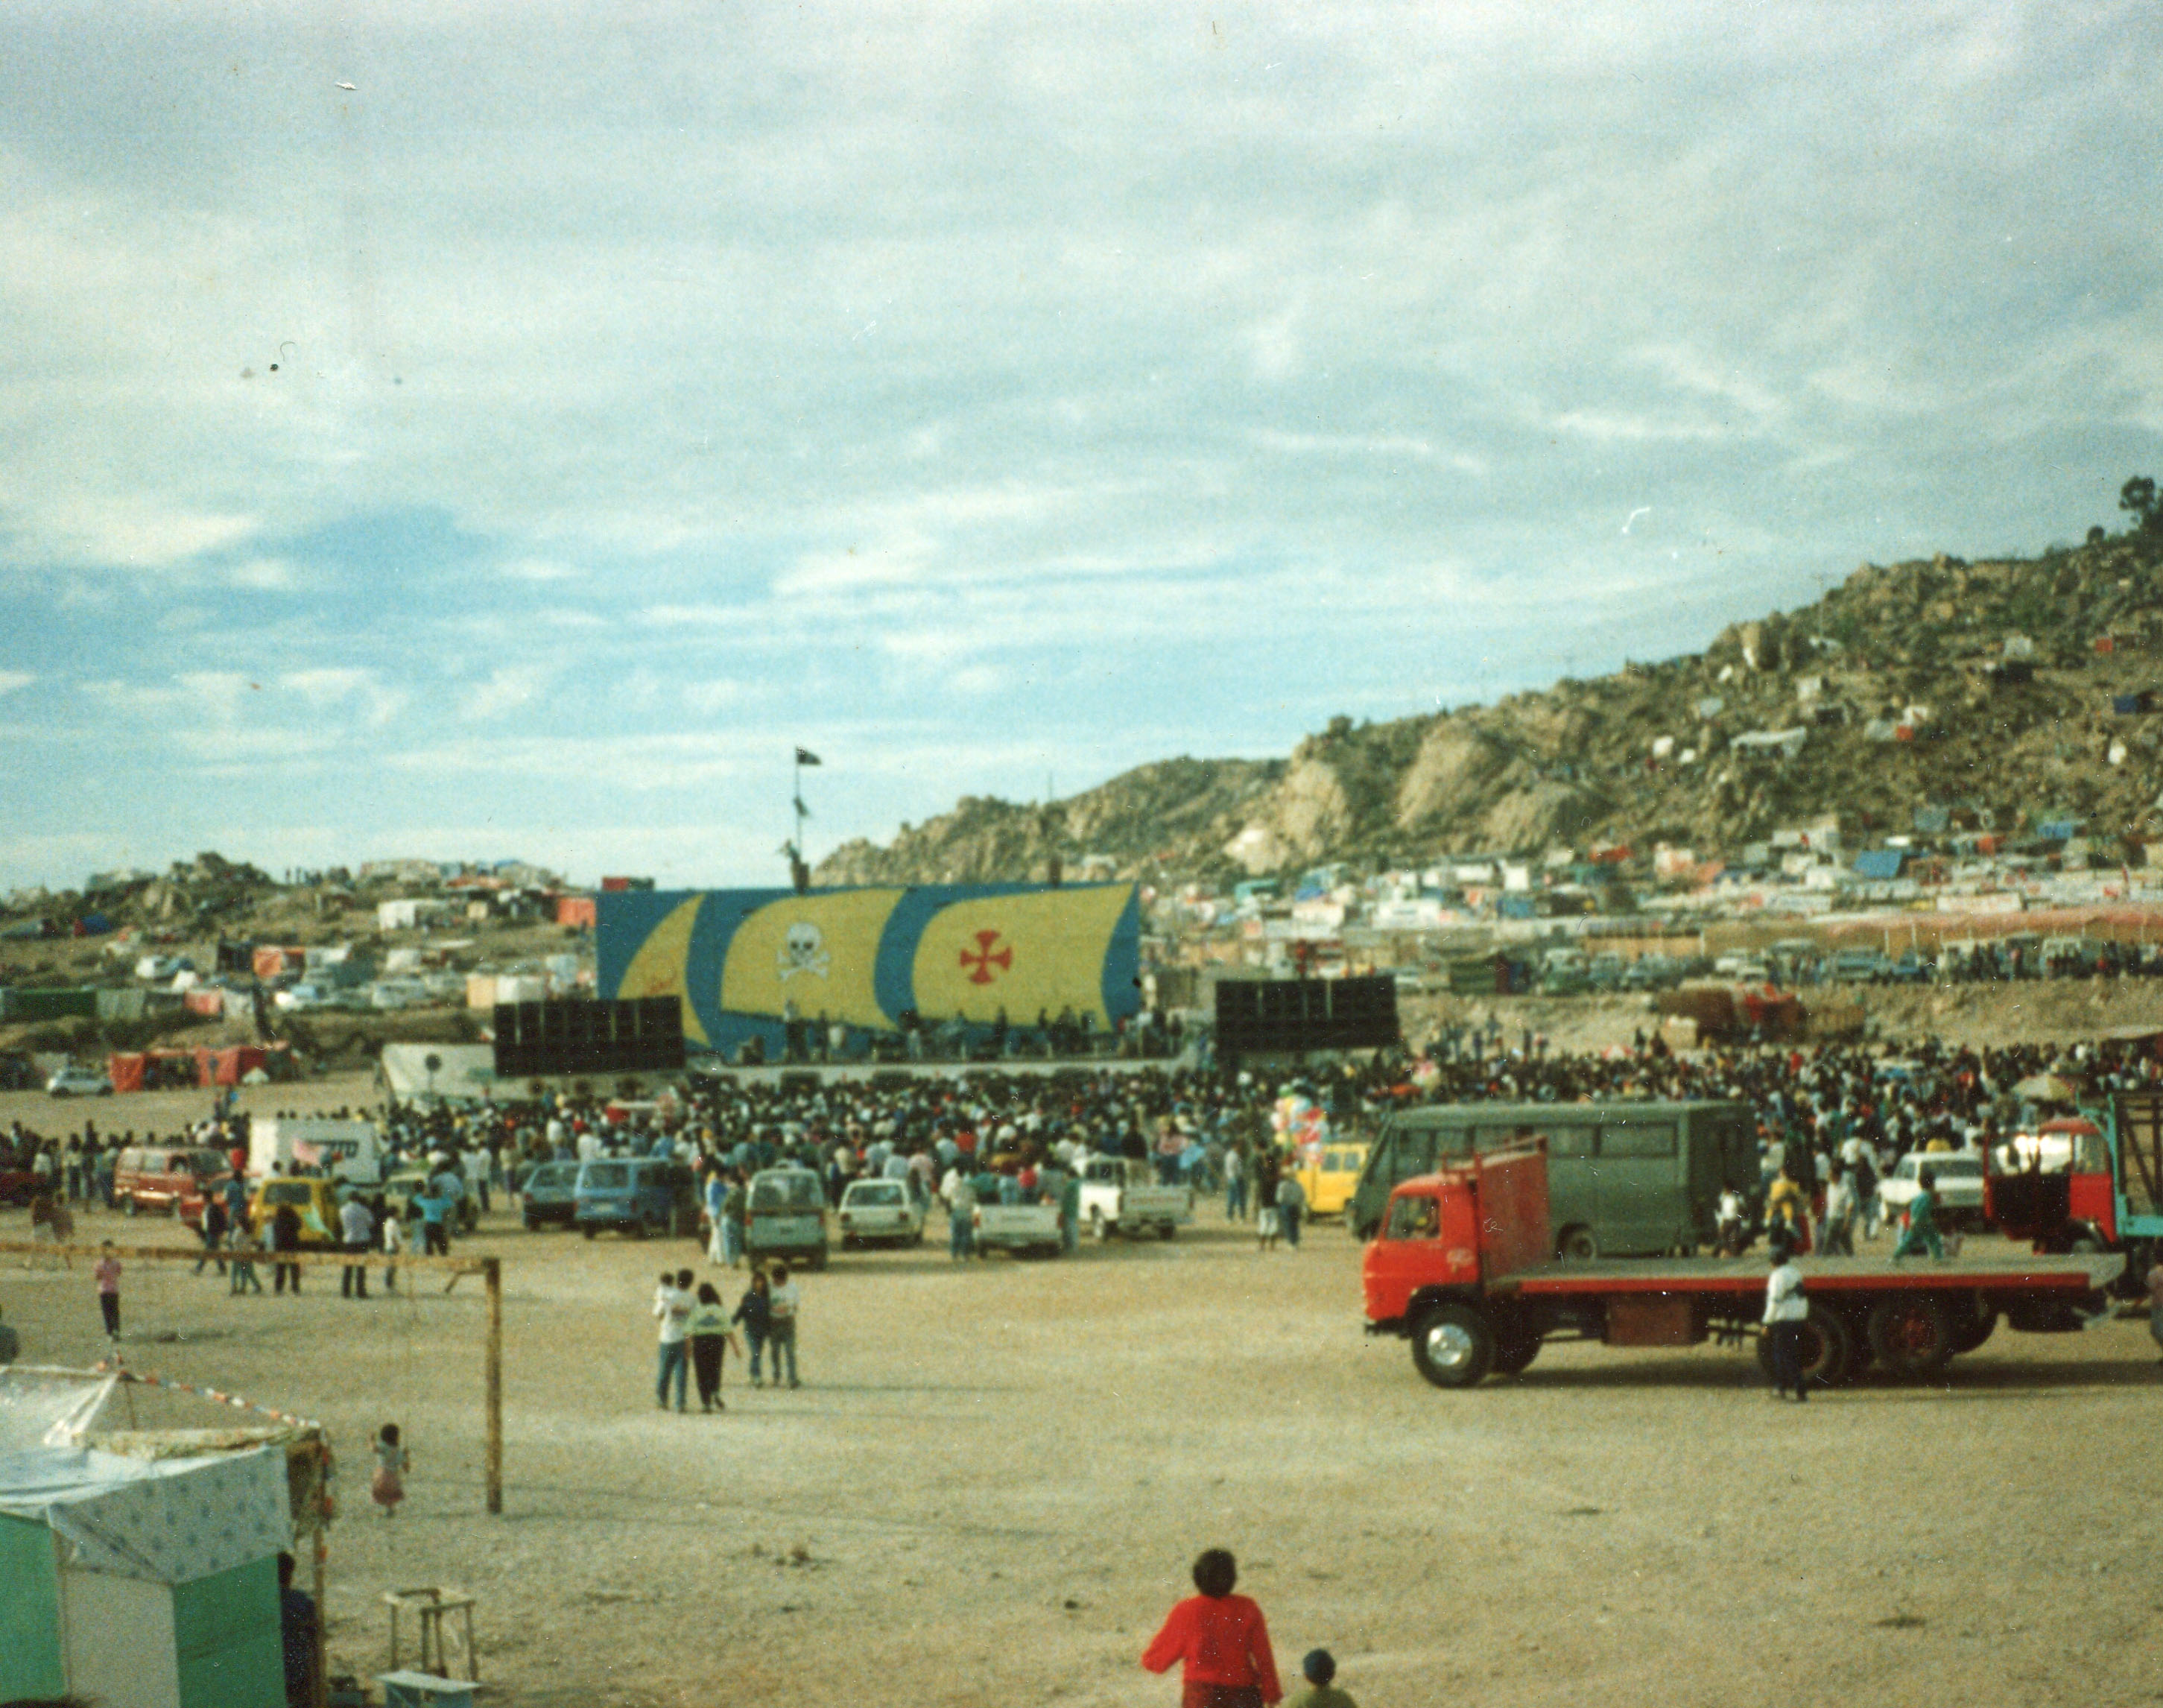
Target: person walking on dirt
column 109, row 1292
column 285, row 1236
column 673, row 1304
column 1291, row 1205
column 1235, row 1181
column 212, row 1231
column 783, row 1302
column 755, row 1311
column 711, row 1341
column 1922, row 1235
column 1786, row 1310
column 1221, row 1641
column 1837, row 1232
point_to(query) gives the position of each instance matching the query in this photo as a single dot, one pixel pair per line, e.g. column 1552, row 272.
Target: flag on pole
column 805, row 756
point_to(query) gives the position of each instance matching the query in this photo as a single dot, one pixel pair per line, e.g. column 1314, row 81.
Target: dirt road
column 991, row 1485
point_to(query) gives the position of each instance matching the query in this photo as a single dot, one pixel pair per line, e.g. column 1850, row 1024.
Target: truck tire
column 1974, row 1331
column 1514, row 1357
column 818, row 1260
column 1167, row 1230
column 1452, row 1345
column 1910, row 1336
column 1578, row 1244
column 1828, row 1350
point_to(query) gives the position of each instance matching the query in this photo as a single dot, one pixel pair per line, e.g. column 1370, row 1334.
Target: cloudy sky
column 480, row 431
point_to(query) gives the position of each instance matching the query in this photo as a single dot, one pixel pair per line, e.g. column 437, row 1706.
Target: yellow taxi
column 1328, row 1173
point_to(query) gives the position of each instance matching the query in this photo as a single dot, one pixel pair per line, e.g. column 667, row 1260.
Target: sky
column 492, row 431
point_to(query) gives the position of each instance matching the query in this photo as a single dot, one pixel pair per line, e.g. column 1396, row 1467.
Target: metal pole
column 492, row 1277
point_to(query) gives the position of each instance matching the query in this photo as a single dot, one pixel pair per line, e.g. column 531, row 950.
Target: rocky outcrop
column 1891, row 677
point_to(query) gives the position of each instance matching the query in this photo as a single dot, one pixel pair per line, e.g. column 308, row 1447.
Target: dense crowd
column 1181, row 1122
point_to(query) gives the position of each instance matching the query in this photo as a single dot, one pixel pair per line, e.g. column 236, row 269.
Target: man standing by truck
column 1786, row 1310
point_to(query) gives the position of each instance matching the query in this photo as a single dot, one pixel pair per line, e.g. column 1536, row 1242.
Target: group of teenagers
column 698, row 1331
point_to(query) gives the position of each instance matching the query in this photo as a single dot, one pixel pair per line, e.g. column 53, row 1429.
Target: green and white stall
column 142, row 1583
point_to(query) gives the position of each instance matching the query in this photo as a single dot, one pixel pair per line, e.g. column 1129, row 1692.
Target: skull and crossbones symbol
column 803, row 950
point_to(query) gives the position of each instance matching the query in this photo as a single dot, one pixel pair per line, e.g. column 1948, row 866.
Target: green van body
column 1625, row 1178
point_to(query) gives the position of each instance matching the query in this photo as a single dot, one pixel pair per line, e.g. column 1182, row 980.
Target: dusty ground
column 997, row 1476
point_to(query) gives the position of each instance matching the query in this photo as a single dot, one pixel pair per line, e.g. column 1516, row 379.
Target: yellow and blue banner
column 745, row 963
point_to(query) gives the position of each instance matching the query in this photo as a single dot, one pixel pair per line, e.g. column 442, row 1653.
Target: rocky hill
column 1986, row 689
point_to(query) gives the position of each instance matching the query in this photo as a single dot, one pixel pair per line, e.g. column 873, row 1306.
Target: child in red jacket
column 1222, row 1640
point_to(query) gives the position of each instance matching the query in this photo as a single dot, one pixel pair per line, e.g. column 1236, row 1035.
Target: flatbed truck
column 1464, row 1268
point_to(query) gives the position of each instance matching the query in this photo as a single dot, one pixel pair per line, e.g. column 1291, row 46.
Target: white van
column 348, row 1150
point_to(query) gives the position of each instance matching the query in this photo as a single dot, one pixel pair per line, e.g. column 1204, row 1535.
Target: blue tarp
column 1879, row 863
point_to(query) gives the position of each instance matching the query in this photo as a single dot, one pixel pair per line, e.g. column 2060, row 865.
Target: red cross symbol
column 985, row 958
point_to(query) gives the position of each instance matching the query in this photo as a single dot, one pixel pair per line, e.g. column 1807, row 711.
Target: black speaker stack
column 643, row 1036
column 1291, row 1016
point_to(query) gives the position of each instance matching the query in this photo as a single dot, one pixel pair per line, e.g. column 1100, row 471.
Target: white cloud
column 10, row 680
column 508, row 689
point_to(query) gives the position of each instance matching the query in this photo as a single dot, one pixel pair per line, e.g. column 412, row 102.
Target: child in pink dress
column 392, row 1461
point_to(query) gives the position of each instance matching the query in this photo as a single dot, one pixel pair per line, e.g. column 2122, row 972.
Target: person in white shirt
column 1786, row 1310
column 357, row 1227
column 673, row 1303
column 785, row 1301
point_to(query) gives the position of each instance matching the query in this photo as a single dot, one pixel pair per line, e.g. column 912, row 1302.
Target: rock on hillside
column 1652, row 752
column 1148, row 819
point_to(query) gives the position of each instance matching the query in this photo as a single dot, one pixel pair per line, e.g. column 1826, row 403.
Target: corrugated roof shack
column 140, row 1569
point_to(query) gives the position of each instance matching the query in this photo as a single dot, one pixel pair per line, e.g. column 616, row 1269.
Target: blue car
column 549, row 1193
column 635, row 1195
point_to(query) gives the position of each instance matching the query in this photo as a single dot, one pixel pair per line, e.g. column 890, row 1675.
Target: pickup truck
column 1027, row 1230
column 1465, row 1270
column 1117, row 1199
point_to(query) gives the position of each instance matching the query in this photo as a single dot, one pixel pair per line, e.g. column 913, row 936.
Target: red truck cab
column 1479, row 1218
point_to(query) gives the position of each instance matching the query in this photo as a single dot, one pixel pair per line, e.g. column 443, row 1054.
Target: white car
column 880, row 1210
column 1956, row 1181
column 73, row 1081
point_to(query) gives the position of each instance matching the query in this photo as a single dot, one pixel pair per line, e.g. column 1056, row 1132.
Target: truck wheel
column 1828, row 1350
column 1910, row 1336
column 1974, row 1332
column 1452, row 1345
column 589, row 1230
column 1168, row 1230
column 818, row 1258
column 1578, row 1244
column 1515, row 1357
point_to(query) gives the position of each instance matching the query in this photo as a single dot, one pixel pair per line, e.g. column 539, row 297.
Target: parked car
column 548, row 1195
column 73, row 1081
column 1117, row 1199
column 18, row 1187
column 1331, row 1176
column 300, row 997
column 636, row 1195
column 169, row 1180
column 785, row 1216
column 318, row 1201
column 881, row 1212
column 1026, row 1230
column 1957, row 1183
column 402, row 1186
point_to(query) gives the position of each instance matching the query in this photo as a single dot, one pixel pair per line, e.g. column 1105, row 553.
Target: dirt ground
column 990, row 1487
